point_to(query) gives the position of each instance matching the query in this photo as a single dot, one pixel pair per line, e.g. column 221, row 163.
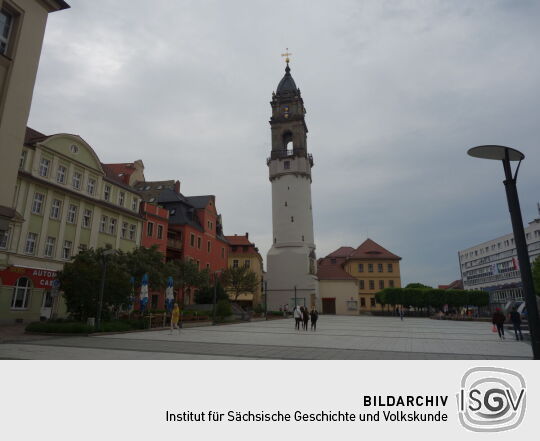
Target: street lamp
column 506, row 155
column 107, row 252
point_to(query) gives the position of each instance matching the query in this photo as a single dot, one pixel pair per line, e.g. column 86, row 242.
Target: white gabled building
column 493, row 266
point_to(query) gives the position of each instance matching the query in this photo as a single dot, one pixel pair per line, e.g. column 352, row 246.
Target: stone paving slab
column 337, row 338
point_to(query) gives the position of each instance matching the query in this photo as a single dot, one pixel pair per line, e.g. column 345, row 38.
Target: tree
column 240, row 280
column 147, row 261
column 80, row 280
column 205, row 294
column 186, row 275
column 418, row 286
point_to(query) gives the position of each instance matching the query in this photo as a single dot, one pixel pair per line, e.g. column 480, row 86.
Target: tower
column 291, row 262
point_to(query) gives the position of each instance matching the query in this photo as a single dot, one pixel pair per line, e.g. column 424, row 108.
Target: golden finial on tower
column 286, row 55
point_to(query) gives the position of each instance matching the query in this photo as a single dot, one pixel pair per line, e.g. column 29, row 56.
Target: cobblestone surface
column 337, row 338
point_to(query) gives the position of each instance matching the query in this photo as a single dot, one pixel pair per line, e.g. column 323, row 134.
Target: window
column 362, row 302
column 235, row 263
column 390, row 268
column 380, row 267
column 121, row 198
column 362, row 285
column 287, row 165
column 391, row 283
column 30, row 245
column 37, row 204
column 21, row 294
column 91, row 186
column 124, row 230
column 381, row 284
column 49, row 246
column 66, row 250
column 22, row 162
column 4, row 234
column 107, row 192
column 199, row 243
column 56, row 209
column 112, row 225
column 72, row 214
column 61, row 174
column 292, row 218
column 208, row 246
column 247, row 263
column 372, row 301
column 222, row 252
column 360, row 267
column 371, row 284
column 192, row 240
column 6, row 22
column 103, row 224
column 150, row 229
column 76, row 180
column 333, row 261
column 132, row 231
column 370, row 267
column 134, row 204
column 44, row 165
column 87, row 219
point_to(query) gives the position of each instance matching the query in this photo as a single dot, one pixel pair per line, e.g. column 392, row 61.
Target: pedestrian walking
column 305, row 317
column 515, row 318
column 314, row 317
column 175, row 317
column 401, row 313
column 498, row 320
column 297, row 317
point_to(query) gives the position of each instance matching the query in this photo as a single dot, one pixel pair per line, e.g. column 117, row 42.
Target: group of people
column 302, row 316
column 499, row 318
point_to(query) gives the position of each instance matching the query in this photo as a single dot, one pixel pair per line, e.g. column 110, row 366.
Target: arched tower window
column 288, row 141
column 21, row 293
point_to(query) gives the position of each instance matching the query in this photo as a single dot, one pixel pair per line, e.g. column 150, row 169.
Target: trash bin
column 91, row 321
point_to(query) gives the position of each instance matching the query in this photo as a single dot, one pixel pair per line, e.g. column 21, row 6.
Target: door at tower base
column 289, row 267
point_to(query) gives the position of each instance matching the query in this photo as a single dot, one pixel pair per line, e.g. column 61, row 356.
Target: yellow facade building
column 244, row 253
column 349, row 278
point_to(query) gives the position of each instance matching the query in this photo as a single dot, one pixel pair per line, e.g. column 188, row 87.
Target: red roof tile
column 342, row 252
column 372, row 250
column 238, row 240
column 332, row 271
column 31, row 136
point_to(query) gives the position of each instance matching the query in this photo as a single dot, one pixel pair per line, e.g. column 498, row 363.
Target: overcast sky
column 395, row 92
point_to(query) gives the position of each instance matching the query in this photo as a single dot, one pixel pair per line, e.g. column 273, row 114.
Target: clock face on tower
column 286, row 111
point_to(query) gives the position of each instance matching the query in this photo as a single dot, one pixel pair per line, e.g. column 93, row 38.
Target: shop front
column 29, row 294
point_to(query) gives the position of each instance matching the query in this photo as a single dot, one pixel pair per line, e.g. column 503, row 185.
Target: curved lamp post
column 507, row 155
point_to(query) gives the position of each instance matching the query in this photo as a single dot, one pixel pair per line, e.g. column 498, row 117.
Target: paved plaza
column 337, row 338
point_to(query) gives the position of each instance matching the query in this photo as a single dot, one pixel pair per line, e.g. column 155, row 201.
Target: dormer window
column 287, row 165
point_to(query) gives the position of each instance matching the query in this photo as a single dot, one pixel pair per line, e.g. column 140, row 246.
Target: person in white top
column 297, row 314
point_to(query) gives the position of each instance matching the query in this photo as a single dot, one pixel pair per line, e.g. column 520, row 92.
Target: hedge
column 429, row 297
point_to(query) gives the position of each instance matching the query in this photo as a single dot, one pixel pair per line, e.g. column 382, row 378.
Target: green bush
column 223, row 309
column 60, row 327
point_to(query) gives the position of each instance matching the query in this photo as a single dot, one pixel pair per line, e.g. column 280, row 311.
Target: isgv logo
column 491, row 399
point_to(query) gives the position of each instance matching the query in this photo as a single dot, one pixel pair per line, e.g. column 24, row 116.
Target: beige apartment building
column 22, row 27
column 349, row 278
column 244, row 253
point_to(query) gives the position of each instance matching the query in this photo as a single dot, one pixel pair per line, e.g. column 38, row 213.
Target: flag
column 144, row 292
column 169, row 294
column 515, row 263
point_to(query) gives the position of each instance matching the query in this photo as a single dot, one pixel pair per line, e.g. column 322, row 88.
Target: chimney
column 177, row 186
column 247, row 235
